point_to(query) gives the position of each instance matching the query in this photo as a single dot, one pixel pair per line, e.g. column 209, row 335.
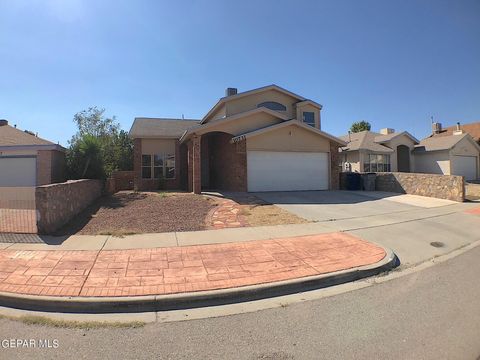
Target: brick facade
column 334, row 166
column 50, row 167
column 154, row 184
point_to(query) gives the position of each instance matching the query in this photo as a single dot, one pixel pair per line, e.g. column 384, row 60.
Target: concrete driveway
column 337, row 205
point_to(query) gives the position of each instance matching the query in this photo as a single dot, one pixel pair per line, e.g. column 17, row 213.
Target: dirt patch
column 128, row 212
column 259, row 215
column 258, row 212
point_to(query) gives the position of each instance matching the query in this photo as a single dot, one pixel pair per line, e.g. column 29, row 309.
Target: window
column 309, row 118
column 158, row 165
column 272, row 105
column 146, row 166
column 377, row 163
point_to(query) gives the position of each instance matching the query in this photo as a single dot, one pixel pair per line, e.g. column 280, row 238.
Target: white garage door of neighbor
column 18, row 171
column 465, row 166
column 287, row 171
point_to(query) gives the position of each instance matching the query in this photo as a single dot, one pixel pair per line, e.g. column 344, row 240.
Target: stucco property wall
column 438, row 186
column 59, row 203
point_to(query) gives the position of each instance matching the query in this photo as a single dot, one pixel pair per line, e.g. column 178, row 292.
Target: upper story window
column 272, row 105
column 309, row 118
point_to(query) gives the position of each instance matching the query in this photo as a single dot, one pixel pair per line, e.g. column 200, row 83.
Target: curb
column 133, row 304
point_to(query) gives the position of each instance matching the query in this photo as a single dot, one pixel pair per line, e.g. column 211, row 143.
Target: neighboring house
column 27, row 160
column 455, row 154
column 265, row 139
column 473, row 129
column 383, row 152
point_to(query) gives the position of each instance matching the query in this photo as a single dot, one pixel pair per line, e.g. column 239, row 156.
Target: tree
column 360, row 126
column 99, row 147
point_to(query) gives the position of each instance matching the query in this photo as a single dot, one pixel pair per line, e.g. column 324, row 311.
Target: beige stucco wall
column 392, row 144
column 158, row 146
column 300, row 108
column 240, row 126
column 18, row 152
column 436, row 162
column 290, row 138
column 250, row 102
column 464, row 147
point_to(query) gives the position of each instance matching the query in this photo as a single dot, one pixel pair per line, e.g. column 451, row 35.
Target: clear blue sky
column 392, row 63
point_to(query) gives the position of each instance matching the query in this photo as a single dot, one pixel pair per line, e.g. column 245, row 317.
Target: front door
column 403, row 158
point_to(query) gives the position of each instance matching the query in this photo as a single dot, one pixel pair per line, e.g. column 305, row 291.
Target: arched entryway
column 223, row 163
column 403, row 158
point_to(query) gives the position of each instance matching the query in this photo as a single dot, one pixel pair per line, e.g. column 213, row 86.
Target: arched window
column 272, row 105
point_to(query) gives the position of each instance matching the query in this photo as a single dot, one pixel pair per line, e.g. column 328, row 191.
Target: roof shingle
column 11, row 136
column 160, row 127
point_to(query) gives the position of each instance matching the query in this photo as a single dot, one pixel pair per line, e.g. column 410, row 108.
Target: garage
column 287, row 171
column 18, row 171
column 465, row 166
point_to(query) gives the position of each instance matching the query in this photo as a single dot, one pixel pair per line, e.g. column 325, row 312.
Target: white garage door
column 465, row 166
column 287, row 171
column 18, row 171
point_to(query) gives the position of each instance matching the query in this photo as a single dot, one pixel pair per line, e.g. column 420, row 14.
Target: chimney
column 387, row 131
column 458, row 130
column 3, row 122
column 436, row 128
column 230, row 91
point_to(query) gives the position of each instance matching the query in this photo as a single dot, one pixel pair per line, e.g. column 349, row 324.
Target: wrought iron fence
column 17, row 210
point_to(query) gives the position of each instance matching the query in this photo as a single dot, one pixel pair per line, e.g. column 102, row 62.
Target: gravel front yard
column 142, row 212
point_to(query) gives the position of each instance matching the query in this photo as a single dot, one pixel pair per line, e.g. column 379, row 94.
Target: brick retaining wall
column 59, row 203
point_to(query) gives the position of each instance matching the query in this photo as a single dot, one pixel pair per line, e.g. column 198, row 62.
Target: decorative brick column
column 137, row 164
column 334, row 166
column 190, row 166
column 197, row 165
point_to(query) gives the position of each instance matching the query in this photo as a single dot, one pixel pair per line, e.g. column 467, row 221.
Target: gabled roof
column 473, row 129
column 225, row 99
column 11, row 136
column 364, row 140
column 228, row 119
column 160, row 127
column 284, row 124
column 442, row 143
column 383, row 138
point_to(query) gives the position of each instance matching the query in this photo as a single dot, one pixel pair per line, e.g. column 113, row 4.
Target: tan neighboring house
column 369, row 151
column 456, row 153
column 27, row 160
column 266, row 139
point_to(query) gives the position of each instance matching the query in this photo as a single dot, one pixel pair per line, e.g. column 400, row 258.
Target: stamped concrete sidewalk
column 171, row 270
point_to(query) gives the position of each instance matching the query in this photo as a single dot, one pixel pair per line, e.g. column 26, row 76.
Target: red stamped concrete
column 474, row 211
column 226, row 215
column 180, row 269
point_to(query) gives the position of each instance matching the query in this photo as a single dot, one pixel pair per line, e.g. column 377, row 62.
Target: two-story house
column 266, row 139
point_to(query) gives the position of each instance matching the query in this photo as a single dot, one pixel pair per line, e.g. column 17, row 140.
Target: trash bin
column 353, row 181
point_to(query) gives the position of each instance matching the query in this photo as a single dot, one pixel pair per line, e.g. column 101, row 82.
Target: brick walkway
column 180, row 269
column 18, row 221
column 228, row 214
